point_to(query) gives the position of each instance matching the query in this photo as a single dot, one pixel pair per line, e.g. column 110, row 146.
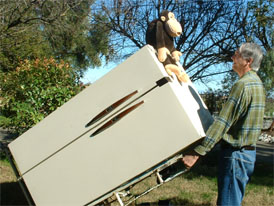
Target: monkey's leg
column 182, row 76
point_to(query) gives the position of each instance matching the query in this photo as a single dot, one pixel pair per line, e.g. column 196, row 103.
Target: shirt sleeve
column 232, row 110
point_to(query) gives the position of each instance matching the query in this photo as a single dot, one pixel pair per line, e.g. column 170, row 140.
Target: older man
column 237, row 128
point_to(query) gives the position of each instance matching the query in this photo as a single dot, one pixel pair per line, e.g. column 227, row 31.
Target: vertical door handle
column 110, row 108
column 116, row 119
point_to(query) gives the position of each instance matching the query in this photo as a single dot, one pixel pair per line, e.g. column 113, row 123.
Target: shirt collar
column 251, row 72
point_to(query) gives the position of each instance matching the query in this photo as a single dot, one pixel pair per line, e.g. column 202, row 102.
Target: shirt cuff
column 201, row 150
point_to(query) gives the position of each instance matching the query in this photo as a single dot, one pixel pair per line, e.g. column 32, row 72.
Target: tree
column 211, row 29
column 258, row 27
column 262, row 32
column 45, row 46
column 266, row 72
column 259, row 24
column 214, row 100
column 33, row 90
column 63, row 29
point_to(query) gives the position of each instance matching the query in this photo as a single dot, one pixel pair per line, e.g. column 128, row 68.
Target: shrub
column 33, row 91
column 214, row 100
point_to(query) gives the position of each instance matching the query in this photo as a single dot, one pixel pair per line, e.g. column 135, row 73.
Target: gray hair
column 254, row 51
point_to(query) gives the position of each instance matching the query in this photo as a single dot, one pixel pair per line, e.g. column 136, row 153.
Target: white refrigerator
column 130, row 120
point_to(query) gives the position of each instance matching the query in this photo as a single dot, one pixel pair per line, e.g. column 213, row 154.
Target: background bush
column 33, row 90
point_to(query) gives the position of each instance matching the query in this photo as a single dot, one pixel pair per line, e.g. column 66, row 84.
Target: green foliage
column 3, row 156
column 214, row 100
column 269, row 107
column 32, row 85
column 261, row 22
column 229, row 81
column 23, row 46
column 81, row 42
column 63, row 29
column 34, row 90
column 266, row 72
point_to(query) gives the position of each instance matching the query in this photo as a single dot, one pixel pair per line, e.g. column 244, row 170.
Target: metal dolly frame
column 122, row 191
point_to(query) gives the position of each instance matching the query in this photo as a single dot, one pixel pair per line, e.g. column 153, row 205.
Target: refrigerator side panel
column 195, row 107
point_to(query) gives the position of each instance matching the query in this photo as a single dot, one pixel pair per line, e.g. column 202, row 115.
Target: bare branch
column 210, row 35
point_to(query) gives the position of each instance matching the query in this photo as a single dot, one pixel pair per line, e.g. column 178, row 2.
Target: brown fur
column 160, row 34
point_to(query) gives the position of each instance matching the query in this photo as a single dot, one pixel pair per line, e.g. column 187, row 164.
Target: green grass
column 197, row 187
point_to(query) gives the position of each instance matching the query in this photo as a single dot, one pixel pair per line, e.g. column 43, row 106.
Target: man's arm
column 230, row 113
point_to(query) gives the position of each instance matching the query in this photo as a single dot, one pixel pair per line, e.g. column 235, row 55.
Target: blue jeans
column 235, row 169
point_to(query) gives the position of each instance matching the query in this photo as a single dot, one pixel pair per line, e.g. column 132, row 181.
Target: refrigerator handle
column 116, row 119
column 110, row 108
column 163, row 81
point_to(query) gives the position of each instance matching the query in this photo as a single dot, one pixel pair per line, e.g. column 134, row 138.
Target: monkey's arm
column 176, row 55
column 160, row 41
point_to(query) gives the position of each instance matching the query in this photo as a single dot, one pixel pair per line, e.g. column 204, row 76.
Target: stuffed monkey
column 160, row 34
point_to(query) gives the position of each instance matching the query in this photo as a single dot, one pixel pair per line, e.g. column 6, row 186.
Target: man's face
column 238, row 62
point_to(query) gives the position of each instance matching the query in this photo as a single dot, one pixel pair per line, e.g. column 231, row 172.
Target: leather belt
column 225, row 145
column 248, row 147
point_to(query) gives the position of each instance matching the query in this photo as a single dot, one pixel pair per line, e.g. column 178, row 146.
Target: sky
column 94, row 74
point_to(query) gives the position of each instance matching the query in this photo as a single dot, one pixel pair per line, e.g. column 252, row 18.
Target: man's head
column 247, row 57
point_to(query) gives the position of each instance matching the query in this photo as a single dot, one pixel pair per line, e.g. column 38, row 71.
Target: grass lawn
column 197, row 187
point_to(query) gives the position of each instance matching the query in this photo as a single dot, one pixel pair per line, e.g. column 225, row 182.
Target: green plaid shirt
column 241, row 118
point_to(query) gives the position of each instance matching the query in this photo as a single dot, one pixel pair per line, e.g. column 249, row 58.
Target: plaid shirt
column 241, row 118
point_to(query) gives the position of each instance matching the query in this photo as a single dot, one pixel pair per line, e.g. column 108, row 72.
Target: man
column 237, row 128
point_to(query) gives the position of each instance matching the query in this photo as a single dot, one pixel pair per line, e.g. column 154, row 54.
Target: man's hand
column 190, row 159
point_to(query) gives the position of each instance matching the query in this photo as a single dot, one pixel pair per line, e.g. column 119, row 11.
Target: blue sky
column 92, row 75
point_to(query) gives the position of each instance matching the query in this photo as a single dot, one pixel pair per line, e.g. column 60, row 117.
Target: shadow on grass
column 173, row 202
column 263, row 175
column 11, row 194
column 207, row 166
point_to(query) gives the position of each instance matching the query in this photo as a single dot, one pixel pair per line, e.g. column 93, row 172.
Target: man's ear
column 249, row 61
column 163, row 18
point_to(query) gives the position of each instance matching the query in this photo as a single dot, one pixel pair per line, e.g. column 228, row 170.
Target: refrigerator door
column 72, row 164
column 94, row 166
column 67, row 123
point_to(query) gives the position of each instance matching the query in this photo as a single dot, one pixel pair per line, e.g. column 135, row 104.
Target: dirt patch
column 7, row 174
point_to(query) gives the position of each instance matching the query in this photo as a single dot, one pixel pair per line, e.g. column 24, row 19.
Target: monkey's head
column 172, row 26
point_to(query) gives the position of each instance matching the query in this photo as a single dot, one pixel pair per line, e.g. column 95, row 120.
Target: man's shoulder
column 251, row 78
column 240, row 84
